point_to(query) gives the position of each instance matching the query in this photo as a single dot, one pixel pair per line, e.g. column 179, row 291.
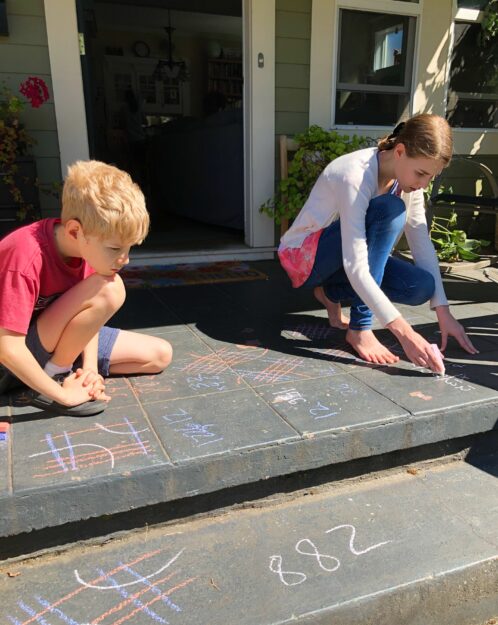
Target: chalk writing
column 128, row 599
column 311, row 332
column 343, row 389
column 196, row 432
column 149, row 383
column 454, row 381
column 286, row 576
column 290, row 396
column 320, row 557
column 326, row 562
column 73, row 456
column 420, row 395
column 201, row 381
column 114, row 586
column 319, row 411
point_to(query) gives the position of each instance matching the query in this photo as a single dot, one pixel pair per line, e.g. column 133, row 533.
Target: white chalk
column 439, row 358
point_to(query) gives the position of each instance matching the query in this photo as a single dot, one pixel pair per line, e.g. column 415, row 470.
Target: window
column 473, row 88
column 472, row 4
column 4, row 27
column 374, row 67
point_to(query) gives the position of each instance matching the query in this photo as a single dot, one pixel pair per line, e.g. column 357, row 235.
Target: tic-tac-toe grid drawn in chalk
column 140, row 590
column 70, row 452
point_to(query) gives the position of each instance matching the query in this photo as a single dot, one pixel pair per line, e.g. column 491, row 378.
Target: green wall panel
column 292, row 100
column 47, row 143
column 25, row 53
column 299, row 6
column 294, row 76
column 25, row 7
column 293, row 50
column 292, row 71
column 296, row 25
column 23, row 59
column 26, row 29
column 291, row 123
column 42, row 118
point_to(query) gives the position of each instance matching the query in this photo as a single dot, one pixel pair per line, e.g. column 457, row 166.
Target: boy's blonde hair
column 106, row 202
column 424, row 135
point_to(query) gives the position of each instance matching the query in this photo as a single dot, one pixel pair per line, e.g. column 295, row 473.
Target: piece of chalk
column 3, row 436
column 4, row 427
column 439, row 358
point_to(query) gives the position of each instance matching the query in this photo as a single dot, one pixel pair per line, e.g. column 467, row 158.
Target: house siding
column 292, row 63
column 23, row 53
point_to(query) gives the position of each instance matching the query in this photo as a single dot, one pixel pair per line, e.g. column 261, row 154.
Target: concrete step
column 405, row 548
column 254, row 392
column 225, row 415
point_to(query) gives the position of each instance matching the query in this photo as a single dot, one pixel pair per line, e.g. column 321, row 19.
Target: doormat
column 156, row 276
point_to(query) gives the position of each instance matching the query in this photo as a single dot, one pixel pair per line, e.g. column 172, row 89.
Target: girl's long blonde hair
column 425, row 135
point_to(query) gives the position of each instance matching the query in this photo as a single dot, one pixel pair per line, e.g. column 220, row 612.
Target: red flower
column 35, row 90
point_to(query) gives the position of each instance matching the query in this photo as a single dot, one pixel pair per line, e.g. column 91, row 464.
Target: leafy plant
column 489, row 24
column 14, row 139
column 452, row 243
column 316, row 148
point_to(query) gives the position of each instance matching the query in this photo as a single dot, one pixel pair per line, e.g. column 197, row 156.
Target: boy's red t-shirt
column 33, row 273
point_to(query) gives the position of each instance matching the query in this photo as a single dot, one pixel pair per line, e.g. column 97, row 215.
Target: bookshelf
column 225, row 76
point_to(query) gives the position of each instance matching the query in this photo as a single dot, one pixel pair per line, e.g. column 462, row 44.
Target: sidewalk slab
column 247, row 397
column 223, row 423
column 404, row 549
column 59, row 451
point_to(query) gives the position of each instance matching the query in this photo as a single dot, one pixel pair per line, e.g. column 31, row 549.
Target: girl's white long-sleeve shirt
column 343, row 191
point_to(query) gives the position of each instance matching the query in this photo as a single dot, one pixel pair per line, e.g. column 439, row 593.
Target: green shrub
column 316, row 148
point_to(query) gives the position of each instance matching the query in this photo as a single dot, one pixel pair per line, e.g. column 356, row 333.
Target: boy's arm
column 15, row 355
column 90, row 354
column 92, row 380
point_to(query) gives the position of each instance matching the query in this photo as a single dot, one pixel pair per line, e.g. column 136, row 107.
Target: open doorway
column 163, row 87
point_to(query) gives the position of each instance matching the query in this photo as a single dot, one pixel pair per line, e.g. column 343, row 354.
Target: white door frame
column 67, row 82
column 259, row 118
column 259, row 103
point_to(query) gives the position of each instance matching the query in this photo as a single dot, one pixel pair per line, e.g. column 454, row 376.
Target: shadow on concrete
column 484, row 454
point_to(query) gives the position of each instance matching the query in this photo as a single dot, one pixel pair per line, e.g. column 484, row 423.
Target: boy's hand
column 93, row 382
column 74, row 393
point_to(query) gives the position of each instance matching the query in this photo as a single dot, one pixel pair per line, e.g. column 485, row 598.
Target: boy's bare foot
column 336, row 318
column 369, row 348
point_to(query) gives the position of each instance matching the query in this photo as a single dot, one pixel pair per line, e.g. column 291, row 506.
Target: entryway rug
column 155, row 276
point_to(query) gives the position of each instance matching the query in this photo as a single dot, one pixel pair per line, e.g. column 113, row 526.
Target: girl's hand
column 94, row 383
column 449, row 326
column 417, row 349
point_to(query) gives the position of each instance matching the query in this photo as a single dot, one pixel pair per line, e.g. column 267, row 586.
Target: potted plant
column 18, row 191
column 316, row 147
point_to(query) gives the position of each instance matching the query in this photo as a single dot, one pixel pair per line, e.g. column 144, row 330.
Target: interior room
column 163, row 90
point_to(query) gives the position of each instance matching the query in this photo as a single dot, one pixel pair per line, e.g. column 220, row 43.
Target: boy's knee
column 111, row 293
column 162, row 355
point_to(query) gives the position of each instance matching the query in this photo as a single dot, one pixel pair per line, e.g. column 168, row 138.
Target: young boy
column 59, row 285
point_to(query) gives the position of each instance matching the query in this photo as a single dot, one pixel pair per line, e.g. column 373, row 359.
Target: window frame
column 393, row 7
column 466, row 16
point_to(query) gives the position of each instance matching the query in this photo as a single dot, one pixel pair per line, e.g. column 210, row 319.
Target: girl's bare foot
column 336, row 318
column 368, row 347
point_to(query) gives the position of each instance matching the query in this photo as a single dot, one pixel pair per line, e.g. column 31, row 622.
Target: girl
column 340, row 243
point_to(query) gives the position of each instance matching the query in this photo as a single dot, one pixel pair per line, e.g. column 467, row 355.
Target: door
column 259, row 102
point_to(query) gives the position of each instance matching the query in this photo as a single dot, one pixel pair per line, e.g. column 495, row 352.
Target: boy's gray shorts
column 107, row 338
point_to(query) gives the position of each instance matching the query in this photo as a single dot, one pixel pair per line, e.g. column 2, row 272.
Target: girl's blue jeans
column 401, row 281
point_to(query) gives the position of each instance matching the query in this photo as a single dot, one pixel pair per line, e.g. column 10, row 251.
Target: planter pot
column 26, row 182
